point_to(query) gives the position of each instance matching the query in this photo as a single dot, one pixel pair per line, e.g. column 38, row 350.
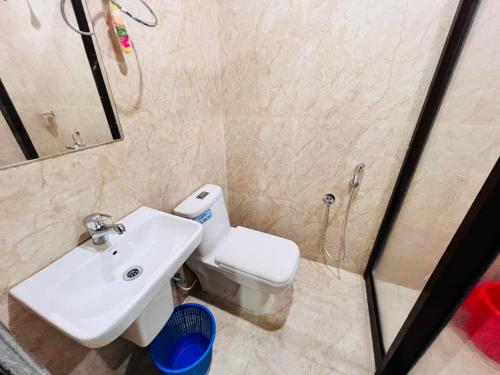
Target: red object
column 482, row 318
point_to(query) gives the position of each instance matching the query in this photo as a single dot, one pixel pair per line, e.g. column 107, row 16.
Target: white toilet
column 241, row 265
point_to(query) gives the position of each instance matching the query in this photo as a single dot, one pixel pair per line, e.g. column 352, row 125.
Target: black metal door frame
column 457, row 271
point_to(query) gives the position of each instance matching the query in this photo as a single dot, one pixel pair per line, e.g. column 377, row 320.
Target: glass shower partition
column 455, row 147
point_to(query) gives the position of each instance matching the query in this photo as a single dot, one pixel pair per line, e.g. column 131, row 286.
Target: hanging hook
column 65, row 18
column 149, row 24
column 120, row 7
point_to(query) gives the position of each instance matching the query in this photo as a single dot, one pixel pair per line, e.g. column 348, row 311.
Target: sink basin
column 96, row 293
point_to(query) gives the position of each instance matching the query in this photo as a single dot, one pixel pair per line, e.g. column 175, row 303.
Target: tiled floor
column 394, row 303
column 325, row 329
column 453, row 353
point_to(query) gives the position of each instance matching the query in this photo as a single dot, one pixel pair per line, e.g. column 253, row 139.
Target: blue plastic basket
column 184, row 345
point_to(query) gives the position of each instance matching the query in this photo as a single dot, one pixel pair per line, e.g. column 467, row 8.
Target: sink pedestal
column 152, row 319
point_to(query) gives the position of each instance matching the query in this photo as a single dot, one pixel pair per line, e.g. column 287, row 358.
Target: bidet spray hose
column 328, row 199
column 341, row 252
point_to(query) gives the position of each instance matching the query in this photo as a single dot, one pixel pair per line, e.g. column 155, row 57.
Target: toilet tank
column 206, row 206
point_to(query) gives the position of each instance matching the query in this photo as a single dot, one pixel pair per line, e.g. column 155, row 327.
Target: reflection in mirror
column 54, row 96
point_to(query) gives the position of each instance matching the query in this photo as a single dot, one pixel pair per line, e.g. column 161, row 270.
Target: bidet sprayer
column 358, row 175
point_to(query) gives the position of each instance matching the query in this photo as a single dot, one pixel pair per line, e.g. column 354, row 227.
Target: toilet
column 241, row 265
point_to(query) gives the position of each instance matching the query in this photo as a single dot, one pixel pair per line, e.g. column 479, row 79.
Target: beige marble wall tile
column 311, row 89
column 169, row 100
column 330, row 59
column 472, row 95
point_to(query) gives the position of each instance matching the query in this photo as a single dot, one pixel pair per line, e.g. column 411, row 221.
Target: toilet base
column 218, row 283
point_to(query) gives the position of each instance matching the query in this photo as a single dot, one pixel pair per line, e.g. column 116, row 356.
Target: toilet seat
column 263, row 257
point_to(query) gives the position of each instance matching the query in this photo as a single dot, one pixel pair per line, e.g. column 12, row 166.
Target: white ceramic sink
column 85, row 295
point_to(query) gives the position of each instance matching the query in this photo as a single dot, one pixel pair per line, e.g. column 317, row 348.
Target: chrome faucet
column 99, row 230
column 77, row 141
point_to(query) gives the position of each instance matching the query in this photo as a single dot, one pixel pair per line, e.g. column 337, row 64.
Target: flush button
column 202, row 195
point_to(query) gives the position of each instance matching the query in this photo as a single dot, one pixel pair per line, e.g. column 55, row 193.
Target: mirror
column 54, row 95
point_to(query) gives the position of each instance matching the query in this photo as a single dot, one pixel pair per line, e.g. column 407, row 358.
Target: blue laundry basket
column 184, row 345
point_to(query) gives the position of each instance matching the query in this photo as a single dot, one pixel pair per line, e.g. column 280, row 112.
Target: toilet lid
column 271, row 259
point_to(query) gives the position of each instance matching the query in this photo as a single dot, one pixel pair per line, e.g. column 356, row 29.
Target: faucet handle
column 95, row 220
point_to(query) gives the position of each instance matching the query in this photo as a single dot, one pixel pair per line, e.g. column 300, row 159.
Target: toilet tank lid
column 198, row 202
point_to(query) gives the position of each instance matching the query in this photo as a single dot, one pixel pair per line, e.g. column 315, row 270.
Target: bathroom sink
column 96, row 292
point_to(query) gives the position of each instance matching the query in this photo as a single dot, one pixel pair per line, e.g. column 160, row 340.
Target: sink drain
column 132, row 273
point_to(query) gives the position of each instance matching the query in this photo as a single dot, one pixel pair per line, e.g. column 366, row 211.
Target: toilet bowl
column 240, row 265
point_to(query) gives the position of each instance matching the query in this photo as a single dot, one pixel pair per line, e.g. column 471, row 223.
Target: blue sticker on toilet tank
column 201, row 218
